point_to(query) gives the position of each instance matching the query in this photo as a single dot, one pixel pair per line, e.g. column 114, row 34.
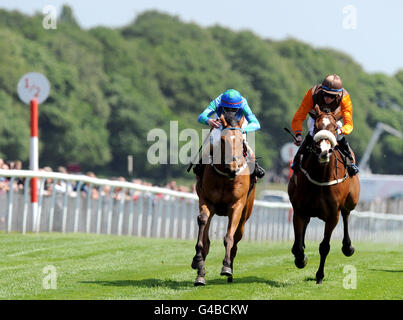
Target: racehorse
column 322, row 188
column 225, row 189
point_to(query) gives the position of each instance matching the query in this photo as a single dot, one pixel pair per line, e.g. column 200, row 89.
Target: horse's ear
column 223, row 121
column 241, row 121
column 317, row 109
column 337, row 114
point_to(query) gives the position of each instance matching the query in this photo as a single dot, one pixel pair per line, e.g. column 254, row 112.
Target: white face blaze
column 325, row 122
column 325, row 147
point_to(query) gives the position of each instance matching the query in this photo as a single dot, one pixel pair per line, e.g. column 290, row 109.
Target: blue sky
column 368, row 30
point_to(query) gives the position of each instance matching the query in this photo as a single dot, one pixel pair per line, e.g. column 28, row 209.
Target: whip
column 291, row 134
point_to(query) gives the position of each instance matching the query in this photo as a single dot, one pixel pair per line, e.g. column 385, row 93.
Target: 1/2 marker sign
column 33, row 89
column 33, row 85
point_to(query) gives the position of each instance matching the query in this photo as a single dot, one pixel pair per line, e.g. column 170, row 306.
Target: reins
column 226, row 174
column 311, row 149
column 323, row 184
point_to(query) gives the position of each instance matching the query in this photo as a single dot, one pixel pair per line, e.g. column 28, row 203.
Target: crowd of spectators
column 4, row 182
column 48, row 186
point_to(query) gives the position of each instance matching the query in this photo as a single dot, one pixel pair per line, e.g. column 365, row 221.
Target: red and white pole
column 33, row 88
column 34, row 159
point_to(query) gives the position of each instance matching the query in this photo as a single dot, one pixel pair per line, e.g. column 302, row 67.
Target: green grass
column 111, row 267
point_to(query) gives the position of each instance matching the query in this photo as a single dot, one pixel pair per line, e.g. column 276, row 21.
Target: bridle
column 326, row 183
column 235, row 158
column 319, row 136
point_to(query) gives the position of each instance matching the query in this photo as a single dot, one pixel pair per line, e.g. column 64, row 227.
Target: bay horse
column 225, row 189
column 323, row 189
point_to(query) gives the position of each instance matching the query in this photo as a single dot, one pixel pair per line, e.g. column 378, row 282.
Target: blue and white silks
column 244, row 110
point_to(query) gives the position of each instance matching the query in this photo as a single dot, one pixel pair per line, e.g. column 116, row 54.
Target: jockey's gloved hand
column 298, row 141
column 214, row 123
column 340, row 131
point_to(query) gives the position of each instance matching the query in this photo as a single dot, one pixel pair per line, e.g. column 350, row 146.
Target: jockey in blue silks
column 210, row 116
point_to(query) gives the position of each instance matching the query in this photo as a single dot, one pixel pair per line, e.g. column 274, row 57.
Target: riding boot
column 259, row 171
column 296, row 164
column 254, row 167
column 344, row 147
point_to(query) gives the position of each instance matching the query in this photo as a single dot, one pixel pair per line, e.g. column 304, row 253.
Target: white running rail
column 125, row 208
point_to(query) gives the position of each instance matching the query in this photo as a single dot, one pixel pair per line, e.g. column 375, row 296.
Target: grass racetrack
column 111, row 267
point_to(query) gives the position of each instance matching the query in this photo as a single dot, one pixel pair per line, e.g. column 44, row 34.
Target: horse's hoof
column 348, row 250
column 319, row 277
column 200, row 281
column 300, row 264
column 229, row 279
column 226, row 271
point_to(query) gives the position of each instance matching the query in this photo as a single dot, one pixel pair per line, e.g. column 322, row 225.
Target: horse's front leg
column 300, row 223
column 324, row 246
column 234, row 216
column 202, row 244
column 347, row 248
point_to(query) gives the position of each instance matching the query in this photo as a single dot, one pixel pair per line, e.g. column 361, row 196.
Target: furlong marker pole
column 33, row 88
column 34, row 161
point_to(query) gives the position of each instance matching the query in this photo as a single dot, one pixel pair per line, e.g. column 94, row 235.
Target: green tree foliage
column 110, row 87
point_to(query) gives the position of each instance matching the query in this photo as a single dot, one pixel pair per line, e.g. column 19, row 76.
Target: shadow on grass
column 179, row 285
column 385, row 270
column 144, row 283
column 249, row 280
column 310, row 279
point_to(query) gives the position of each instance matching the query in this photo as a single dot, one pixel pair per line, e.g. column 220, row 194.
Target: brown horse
column 322, row 188
column 226, row 189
